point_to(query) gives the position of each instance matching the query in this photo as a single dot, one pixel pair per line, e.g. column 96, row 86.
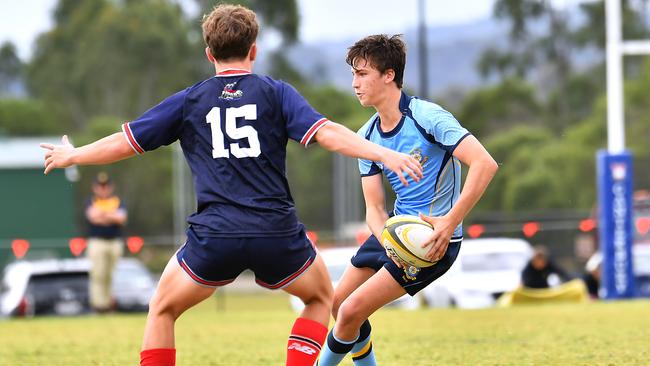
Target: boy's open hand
column 401, row 163
column 58, row 156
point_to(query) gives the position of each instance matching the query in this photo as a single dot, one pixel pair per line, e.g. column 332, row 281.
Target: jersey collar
column 233, row 72
column 404, row 102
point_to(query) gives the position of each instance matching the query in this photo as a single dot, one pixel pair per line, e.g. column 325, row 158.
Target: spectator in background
column 591, row 276
column 106, row 216
column 540, row 268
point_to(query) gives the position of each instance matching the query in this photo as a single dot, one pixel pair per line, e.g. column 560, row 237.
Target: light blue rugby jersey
column 430, row 134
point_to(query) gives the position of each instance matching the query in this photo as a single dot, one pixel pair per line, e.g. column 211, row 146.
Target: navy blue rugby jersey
column 233, row 129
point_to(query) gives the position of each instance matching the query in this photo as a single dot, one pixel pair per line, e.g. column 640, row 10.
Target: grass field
column 238, row 329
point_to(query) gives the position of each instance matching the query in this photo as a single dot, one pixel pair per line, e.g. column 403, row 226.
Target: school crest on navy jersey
column 230, row 92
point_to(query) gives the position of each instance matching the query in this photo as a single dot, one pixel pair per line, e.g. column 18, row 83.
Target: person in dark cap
column 106, row 216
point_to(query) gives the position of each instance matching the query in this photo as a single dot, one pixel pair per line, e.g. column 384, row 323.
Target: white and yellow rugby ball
column 403, row 236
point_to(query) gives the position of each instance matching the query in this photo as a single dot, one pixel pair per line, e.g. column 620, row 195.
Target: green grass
column 252, row 330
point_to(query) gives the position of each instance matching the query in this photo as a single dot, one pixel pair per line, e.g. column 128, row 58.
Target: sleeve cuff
column 370, row 174
column 306, row 139
column 374, row 170
column 453, row 148
column 126, row 129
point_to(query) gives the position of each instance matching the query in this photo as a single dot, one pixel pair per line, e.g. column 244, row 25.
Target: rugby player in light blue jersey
column 433, row 136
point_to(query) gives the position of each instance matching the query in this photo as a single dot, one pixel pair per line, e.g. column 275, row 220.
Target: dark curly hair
column 381, row 51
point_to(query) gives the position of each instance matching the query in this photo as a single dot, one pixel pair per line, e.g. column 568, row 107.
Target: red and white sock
column 305, row 342
column 158, row 357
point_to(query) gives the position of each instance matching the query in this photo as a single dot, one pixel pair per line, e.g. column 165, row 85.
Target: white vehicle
column 641, row 254
column 337, row 260
column 485, row 269
column 60, row 287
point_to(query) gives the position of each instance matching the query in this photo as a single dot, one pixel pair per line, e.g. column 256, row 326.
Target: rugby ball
column 403, row 236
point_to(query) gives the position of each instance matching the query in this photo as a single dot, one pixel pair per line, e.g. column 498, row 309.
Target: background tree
column 592, row 31
column 497, row 108
column 116, row 58
column 519, row 58
column 543, row 42
column 553, row 167
column 11, row 69
column 105, row 62
column 28, row 117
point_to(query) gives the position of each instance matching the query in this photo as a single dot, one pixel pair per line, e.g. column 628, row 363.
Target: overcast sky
column 21, row 21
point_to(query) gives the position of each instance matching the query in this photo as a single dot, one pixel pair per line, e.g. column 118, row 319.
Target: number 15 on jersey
column 219, row 150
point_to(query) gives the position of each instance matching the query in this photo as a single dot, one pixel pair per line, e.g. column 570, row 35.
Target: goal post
column 615, row 169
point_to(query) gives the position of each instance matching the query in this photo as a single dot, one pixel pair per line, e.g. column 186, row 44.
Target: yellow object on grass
column 572, row 291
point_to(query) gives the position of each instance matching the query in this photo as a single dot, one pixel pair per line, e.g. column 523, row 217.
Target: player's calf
column 305, row 342
column 362, row 352
column 158, row 357
column 336, row 349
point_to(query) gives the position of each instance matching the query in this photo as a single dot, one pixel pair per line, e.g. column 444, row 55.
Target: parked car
column 485, row 269
column 641, row 220
column 337, row 260
column 133, row 286
column 641, row 260
column 60, row 287
column 641, row 247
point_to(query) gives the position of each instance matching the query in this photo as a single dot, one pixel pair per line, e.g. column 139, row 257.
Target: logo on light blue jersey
column 417, row 155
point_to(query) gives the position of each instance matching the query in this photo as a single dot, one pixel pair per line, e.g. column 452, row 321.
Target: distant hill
column 453, row 54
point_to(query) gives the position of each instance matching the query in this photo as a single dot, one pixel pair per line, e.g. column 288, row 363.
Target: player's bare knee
column 322, row 297
column 155, row 305
column 159, row 305
column 328, row 293
column 338, row 300
column 335, row 309
column 350, row 312
column 325, row 293
column 325, row 296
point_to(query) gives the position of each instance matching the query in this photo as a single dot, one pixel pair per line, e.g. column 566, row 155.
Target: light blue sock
column 334, row 350
column 363, row 354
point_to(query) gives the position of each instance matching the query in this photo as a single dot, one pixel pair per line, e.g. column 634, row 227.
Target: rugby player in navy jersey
column 430, row 133
column 233, row 129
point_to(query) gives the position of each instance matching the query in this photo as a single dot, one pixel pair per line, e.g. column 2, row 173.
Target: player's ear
column 208, row 54
column 389, row 76
column 252, row 54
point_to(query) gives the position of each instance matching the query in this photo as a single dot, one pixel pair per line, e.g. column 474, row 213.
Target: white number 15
column 219, row 150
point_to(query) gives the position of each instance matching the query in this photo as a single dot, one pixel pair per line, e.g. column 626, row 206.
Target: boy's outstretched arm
column 338, row 138
column 107, row 150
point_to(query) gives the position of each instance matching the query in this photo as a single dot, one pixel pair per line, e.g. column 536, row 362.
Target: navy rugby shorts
column 373, row 255
column 276, row 261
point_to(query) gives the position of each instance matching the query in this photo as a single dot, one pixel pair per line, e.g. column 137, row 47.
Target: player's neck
column 246, row 65
column 388, row 109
